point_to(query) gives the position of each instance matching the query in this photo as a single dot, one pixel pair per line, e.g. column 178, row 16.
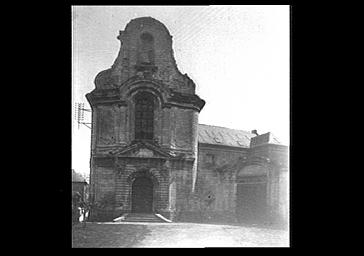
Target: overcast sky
column 238, row 57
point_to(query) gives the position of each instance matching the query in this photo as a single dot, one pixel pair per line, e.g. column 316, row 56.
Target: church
column 149, row 154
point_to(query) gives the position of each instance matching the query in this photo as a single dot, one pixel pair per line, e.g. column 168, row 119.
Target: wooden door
column 142, row 195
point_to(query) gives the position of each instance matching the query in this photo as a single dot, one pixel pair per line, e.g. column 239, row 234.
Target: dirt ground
column 175, row 235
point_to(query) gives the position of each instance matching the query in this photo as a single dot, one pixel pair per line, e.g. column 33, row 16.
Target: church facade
column 149, row 154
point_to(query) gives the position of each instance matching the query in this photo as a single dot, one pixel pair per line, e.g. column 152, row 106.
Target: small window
column 210, row 159
column 146, row 50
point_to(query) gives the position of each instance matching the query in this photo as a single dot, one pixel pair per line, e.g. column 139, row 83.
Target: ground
column 175, row 235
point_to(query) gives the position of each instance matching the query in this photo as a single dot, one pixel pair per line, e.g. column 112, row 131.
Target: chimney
column 255, row 132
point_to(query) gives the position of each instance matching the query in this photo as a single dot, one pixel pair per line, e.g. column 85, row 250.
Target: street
column 170, row 235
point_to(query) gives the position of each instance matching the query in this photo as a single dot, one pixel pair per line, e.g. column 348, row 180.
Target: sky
column 238, row 57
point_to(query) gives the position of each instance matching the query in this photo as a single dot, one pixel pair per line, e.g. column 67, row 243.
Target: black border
column 51, row 173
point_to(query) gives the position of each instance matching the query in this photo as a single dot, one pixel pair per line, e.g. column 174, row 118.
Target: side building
column 79, row 185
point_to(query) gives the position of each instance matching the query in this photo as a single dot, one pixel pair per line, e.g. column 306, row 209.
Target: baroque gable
column 142, row 149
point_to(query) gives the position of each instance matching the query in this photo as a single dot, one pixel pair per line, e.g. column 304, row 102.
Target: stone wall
column 172, row 183
column 174, row 127
column 191, row 181
column 284, row 198
column 278, row 182
column 214, row 197
column 143, row 167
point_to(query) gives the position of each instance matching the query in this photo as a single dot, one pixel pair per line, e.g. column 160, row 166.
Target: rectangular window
column 210, row 159
column 144, row 116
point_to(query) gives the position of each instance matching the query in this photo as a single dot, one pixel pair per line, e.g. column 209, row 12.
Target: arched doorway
column 142, row 195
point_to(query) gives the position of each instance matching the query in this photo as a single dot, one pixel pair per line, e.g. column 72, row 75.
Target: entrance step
column 143, row 217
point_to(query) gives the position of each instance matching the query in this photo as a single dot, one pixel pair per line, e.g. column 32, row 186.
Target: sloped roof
column 77, row 177
column 217, row 135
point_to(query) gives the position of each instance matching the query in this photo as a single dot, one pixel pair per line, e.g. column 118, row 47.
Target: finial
column 120, row 36
column 255, row 132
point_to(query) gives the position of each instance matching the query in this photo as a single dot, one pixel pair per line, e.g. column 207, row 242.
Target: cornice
column 169, row 98
column 224, row 147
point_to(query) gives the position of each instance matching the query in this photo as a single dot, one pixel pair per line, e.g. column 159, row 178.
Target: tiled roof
column 223, row 136
column 77, row 177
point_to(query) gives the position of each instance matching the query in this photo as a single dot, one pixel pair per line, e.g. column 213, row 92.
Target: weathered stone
column 191, row 180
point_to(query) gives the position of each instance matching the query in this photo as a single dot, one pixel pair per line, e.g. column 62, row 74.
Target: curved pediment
column 142, row 149
column 146, row 61
column 146, row 51
column 136, row 84
column 166, row 96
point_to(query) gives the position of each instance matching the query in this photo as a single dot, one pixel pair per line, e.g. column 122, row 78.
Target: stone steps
column 142, row 217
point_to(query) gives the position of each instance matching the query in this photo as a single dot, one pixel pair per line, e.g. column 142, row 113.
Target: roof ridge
column 226, row 128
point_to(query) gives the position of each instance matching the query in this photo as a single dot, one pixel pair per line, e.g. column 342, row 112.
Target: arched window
column 144, row 116
column 146, row 50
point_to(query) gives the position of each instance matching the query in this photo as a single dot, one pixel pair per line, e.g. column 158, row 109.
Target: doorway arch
column 142, row 195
